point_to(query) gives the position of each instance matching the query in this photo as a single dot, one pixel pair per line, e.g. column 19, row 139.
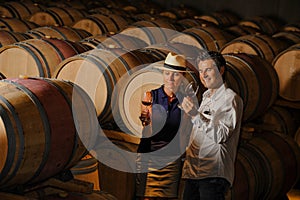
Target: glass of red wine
column 190, row 91
column 145, row 113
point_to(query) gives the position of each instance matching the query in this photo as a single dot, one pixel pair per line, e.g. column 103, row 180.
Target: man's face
column 209, row 74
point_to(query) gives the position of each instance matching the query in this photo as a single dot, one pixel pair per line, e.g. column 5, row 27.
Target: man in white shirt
column 209, row 166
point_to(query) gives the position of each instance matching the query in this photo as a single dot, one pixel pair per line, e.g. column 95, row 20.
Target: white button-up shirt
column 213, row 143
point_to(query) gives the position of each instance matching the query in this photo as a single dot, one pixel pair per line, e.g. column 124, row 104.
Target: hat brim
column 160, row 65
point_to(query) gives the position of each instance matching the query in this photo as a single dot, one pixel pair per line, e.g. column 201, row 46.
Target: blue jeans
column 205, row 189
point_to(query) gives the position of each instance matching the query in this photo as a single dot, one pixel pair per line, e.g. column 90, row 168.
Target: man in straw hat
column 164, row 127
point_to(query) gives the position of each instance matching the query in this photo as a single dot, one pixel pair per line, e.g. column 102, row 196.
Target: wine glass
column 189, row 91
column 145, row 113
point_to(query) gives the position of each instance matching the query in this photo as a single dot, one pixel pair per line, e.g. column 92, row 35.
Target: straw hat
column 173, row 62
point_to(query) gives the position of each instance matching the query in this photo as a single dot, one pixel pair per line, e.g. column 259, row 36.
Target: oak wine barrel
column 10, row 37
column 77, row 4
column 142, row 17
column 19, row 9
column 221, row 18
column 262, row 45
column 267, row 167
column 120, row 11
column 59, row 32
column 131, row 89
column 154, row 31
column 247, row 182
column 295, row 26
column 40, row 132
column 210, row 37
column 114, row 41
column 255, row 80
column 266, row 25
column 287, row 66
column 104, row 3
column 57, row 16
column 101, row 10
column 16, row 25
column 101, row 24
column 151, row 7
column 192, row 22
column 179, row 12
column 36, row 57
column 290, row 37
column 240, row 30
column 277, row 119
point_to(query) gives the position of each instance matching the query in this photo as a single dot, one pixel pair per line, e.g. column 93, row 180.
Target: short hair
column 214, row 55
column 217, row 57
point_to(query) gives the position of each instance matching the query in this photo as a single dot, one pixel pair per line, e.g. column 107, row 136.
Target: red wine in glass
column 145, row 115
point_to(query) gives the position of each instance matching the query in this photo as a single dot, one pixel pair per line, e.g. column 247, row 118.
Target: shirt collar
column 218, row 93
column 164, row 95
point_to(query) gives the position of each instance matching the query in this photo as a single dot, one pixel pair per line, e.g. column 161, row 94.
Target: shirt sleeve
column 222, row 123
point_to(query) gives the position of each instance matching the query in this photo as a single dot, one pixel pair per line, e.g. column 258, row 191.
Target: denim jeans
column 205, row 189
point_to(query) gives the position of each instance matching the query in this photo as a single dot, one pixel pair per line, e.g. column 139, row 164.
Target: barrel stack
column 101, row 52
